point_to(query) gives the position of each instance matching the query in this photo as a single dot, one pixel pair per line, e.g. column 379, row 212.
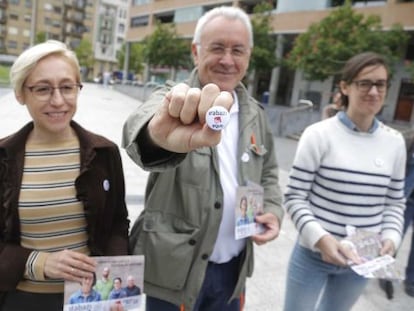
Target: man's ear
column 194, row 52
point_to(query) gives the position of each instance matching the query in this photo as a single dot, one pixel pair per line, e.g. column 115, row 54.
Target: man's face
column 105, row 272
column 223, row 53
column 87, row 284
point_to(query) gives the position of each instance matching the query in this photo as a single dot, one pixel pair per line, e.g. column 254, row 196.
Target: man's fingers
column 208, row 94
column 224, row 99
column 177, row 98
column 189, row 110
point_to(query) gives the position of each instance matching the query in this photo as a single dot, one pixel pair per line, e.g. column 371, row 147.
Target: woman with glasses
column 61, row 187
column 348, row 170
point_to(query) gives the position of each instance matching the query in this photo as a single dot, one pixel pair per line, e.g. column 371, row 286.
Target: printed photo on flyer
column 249, row 204
column 117, row 285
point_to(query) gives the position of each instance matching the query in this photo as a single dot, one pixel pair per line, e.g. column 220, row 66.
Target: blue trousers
column 218, row 286
column 409, row 218
column 313, row 284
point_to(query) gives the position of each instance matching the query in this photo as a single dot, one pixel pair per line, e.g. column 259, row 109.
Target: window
column 14, row 17
column 140, row 2
column 139, row 21
column 188, row 14
column 165, row 17
column 12, row 44
column 121, row 28
column 13, row 31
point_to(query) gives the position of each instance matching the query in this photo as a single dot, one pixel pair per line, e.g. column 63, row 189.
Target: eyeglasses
column 45, row 92
column 366, row 85
column 237, row 51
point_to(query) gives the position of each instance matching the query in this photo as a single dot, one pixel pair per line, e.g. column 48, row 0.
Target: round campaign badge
column 217, row 118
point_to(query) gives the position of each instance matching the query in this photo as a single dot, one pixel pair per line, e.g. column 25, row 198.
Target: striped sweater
column 51, row 217
column 342, row 177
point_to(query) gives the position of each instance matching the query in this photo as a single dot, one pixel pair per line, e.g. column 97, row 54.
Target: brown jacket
column 106, row 212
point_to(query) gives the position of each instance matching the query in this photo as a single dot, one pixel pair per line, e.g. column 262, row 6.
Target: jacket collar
column 14, row 145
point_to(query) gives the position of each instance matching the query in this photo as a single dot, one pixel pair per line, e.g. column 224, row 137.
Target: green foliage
column 84, row 52
column 326, row 46
column 164, row 48
column 409, row 66
column 136, row 57
column 4, row 74
column 263, row 54
column 40, row 37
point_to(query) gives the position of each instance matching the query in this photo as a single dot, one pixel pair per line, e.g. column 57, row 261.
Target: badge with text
column 217, row 118
column 249, row 200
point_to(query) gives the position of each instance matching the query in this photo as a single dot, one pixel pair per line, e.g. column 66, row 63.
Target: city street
column 103, row 110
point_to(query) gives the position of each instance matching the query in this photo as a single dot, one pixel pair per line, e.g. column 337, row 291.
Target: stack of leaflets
column 367, row 245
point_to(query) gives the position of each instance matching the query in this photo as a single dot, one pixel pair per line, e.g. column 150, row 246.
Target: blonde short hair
column 24, row 64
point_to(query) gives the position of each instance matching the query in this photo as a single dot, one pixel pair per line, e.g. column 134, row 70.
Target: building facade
column 109, row 31
column 101, row 22
column 54, row 19
column 290, row 18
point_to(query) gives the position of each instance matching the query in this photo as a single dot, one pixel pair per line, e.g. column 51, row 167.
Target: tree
column 165, row 49
column 40, row 37
column 326, row 46
column 136, row 57
column 263, row 57
column 84, row 53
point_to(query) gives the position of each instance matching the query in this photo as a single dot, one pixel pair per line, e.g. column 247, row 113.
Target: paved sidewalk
column 104, row 111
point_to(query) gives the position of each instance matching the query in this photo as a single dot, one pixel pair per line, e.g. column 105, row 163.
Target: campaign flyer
column 117, row 285
column 249, row 200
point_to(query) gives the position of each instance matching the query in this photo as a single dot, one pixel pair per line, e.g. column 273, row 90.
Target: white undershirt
column 227, row 246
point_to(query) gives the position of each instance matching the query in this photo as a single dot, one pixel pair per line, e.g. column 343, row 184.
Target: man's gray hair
column 229, row 12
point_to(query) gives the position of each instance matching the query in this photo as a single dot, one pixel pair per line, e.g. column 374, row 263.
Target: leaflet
column 367, row 245
column 122, row 292
column 249, row 200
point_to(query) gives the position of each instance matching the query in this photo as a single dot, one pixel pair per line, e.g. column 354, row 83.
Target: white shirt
column 227, row 246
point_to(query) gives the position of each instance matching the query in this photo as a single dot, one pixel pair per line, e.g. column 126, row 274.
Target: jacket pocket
column 168, row 245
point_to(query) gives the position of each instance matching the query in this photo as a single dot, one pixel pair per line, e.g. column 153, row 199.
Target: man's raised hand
column 180, row 123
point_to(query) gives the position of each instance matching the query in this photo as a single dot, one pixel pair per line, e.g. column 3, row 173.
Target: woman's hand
column 69, row 265
column 387, row 248
column 337, row 253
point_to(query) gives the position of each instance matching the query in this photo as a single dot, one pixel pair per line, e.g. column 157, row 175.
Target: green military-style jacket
column 183, row 201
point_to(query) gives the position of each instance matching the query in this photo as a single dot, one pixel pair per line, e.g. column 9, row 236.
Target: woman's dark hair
column 94, row 279
column 356, row 64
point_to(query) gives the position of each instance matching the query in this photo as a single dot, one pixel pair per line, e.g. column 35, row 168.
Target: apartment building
column 109, row 31
column 101, row 22
column 289, row 18
column 57, row 19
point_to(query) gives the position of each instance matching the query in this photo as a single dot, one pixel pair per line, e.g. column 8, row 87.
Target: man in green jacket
column 187, row 229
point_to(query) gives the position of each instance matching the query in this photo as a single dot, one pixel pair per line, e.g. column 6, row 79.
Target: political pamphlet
column 367, row 245
column 123, row 290
column 249, row 200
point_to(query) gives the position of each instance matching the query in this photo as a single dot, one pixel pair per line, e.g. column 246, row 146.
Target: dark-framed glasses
column 218, row 49
column 366, row 85
column 44, row 92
